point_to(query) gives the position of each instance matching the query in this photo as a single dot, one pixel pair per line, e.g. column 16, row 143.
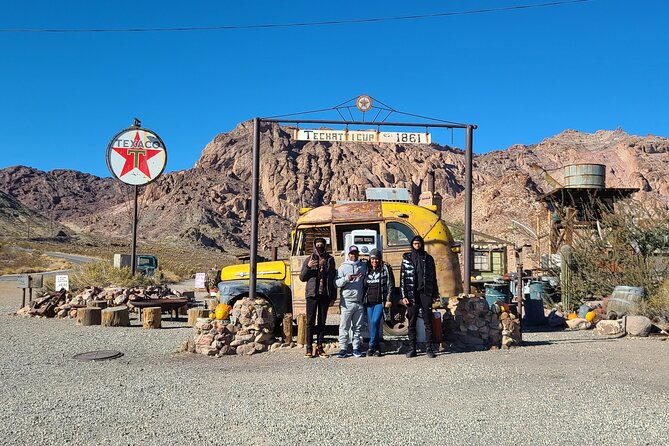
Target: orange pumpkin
column 223, row 311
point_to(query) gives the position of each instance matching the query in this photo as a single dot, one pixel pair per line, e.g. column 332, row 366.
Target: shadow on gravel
column 541, row 329
column 536, row 343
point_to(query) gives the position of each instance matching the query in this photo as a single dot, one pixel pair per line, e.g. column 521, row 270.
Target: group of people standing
column 366, row 289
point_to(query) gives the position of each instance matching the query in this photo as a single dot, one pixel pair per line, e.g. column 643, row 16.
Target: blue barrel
column 533, row 312
column 537, row 290
column 497, row 291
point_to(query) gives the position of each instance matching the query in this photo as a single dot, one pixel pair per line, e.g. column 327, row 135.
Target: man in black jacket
column 318, row 271
column 418, row 285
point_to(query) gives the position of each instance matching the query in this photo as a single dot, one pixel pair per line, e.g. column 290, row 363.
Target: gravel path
column 563, row 388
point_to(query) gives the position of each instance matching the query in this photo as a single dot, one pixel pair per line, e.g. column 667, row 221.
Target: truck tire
column 399, row 325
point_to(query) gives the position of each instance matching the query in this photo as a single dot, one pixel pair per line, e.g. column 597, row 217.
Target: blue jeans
column 374, row 313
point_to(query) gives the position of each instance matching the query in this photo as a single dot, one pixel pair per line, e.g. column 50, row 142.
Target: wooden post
column 302, row 329
column 287, row 328
column 89, row 316
column 194, row 314
column 152, row 317
column 101, row 304
column 116, row 317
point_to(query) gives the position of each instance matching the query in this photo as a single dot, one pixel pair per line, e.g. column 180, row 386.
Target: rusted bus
column 393, row 225
column 397, row 224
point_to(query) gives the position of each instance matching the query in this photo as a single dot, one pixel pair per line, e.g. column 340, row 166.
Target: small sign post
column 136, row 156
column 199, row 280
column 29, row 281
column 62, row 281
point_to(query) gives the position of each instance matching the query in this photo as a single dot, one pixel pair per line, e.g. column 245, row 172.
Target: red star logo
column 136, row 157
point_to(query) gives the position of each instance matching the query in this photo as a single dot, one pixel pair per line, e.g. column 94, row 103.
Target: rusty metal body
column 396, row 223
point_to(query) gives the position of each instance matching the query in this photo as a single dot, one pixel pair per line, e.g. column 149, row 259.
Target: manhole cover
column 98, row 355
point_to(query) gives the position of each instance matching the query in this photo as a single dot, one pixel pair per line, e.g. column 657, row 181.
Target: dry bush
column 102, row 273
column 19, row 261
column 632, row 249
column 657, row 305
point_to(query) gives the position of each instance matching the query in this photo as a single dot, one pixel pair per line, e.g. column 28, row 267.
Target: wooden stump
column 302, row 329
column 89, row 316
column 194, row 314
column 288, row 328
column 183, row 311
column 116, row 317
column 101, row 304
column 210, row 304
column 152, row 317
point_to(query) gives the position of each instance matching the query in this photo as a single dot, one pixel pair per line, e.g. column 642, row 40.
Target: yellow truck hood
column 266, row 270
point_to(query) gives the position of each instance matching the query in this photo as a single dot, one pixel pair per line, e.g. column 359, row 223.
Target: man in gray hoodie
column 350, row 279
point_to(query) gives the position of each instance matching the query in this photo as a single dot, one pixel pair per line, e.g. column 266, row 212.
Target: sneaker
column 308, row 354
column 320, row 352
column 370, row 352
column 357, row 353
column 412, row 353
column 430, row 353
column 377, row 353
column 342, row 354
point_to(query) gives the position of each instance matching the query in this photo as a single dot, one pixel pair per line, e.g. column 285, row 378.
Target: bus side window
column 399, row 234
column 306, row 237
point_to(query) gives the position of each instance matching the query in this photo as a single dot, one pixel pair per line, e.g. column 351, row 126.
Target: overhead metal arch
column 435, row 123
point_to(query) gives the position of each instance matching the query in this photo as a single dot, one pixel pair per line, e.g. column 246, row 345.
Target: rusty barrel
column 624, row 299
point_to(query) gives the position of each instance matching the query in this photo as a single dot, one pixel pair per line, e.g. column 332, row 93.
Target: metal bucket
column 624, row 300
column 497, row 291
column 585, row 176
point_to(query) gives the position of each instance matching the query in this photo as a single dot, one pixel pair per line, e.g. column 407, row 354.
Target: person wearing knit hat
column 418, row 288
column 378, row 286
column 318, row 271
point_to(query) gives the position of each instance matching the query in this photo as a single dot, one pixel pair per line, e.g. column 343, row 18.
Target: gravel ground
column 562, row 388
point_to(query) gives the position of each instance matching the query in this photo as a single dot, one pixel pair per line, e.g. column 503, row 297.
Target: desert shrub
column 102, row 273
column 657, row 304
column 19, row 261
column 630, row 249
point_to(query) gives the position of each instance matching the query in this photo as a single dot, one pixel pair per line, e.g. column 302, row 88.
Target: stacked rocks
column 473, row 324
column 511, row 336
column 63, row 304
column 248, row 331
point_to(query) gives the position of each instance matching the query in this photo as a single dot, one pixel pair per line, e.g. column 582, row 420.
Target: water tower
column 575, row 208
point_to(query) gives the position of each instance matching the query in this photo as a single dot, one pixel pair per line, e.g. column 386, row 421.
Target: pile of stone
column 63, row 304
column 249, row 330
column 473, row 325
column 638, row 326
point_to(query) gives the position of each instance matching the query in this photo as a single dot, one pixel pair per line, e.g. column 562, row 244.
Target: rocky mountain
column 17, row 220
column 209, row 204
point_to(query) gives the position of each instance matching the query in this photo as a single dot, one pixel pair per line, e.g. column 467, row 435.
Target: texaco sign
column 136, row 156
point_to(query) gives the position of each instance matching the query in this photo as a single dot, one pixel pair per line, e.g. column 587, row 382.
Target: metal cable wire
column 294, row 25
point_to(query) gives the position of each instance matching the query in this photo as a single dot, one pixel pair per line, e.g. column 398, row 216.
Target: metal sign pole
column 134, row 233
column 136, row 156
column 253, row 258
column 468, row 211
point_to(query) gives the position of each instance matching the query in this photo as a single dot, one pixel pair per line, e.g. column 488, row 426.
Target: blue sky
column 521, row 76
